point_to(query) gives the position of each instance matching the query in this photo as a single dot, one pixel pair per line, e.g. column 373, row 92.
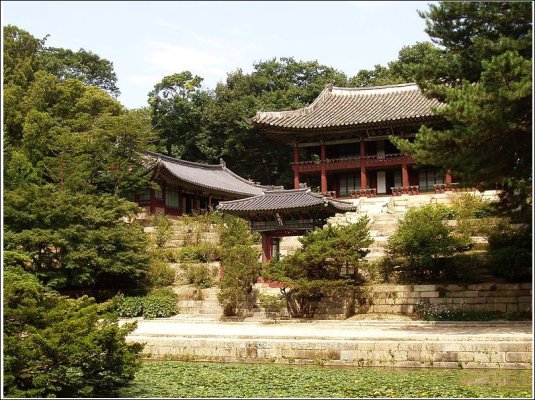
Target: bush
column 166, row 254
column 160, row 303
column 440, row 312
column 241, row 266
column 202, row 276
column 510, row 251
column 272, row 303
column 162, row 230
column 330, row 259
column 129, row 307
column 55, row 346
column 424, row 242
column 201, row 252
column 160, row 274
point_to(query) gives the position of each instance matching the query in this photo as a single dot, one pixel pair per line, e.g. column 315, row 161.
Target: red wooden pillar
column 448, row 177
column 323, row 168
column 266, row 247
column 404, row 173
column 152, row 201
column 181, row 209
column 296, row 166
column 363, row 178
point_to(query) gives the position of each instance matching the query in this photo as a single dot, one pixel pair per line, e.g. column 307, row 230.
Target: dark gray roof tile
column 337, row 106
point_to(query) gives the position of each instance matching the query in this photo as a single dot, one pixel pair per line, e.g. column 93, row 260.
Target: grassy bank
column 183, row 379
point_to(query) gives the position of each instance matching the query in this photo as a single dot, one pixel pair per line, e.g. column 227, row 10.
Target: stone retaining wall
column 401, row 299
column 369, row 353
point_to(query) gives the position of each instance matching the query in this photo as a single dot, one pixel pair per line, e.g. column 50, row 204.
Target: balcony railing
column 399, row 190
column 353, row 162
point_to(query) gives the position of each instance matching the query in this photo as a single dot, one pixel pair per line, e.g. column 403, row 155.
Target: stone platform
column 507, row 345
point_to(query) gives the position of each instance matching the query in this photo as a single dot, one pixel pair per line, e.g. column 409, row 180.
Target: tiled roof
column 272, row 200
column 348, row 107
column 210, row 177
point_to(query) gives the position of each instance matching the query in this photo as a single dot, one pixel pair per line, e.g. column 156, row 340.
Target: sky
column 147, row 40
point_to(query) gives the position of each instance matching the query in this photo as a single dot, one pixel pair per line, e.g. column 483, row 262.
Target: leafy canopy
column 482, row 71
column 55, row 346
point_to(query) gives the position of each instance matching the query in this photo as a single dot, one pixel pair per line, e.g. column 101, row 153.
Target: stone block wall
column 401, row 299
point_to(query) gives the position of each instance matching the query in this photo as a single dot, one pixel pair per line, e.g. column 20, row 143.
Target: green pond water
column 189, row 379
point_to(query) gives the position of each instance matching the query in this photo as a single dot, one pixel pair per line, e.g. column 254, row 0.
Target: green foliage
column 82, row 65
column 160, row 303
column 440, row 312
column 129, row 307
column 198, row 125
column 71, row 152
column 75, row 239
column 55, row 346
column 510, row 251
column 176, row 105
column 241, row 267
column 202, row 252
column 422, row 240
column 162, row 230
column 194, row 379
column 483, row 74
column 323, row 265
column 202, row 276
column 272, row 303
column 160, row 274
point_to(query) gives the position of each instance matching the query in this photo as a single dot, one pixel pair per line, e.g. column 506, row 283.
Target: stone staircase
column 208, row 306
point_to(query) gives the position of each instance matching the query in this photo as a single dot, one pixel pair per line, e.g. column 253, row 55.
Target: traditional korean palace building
column 341, row 144
column 187, row 187
column 278, row 213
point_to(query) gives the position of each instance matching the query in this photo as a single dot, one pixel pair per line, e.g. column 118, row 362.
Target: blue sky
column 149, row 40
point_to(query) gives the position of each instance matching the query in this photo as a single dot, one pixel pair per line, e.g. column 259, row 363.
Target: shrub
column 162, row 230
column 166, row 254
column 55, row 346
column 241, row 266
column 272, row 303
column 329, row 260
column 160, row 303
column 201, row 252
column 424, row 242
column 440, row 312
column 200, row 275
column 510, row 251
column 160, row 274
column 128, row 307
column 468, row 205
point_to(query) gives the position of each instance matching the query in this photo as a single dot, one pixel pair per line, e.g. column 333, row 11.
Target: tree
column 82, row 65
column 76, row 240
column 483, row 74
column 276, row 84
column 176, row 105
column 241, row 266
column 60, row 347
column 323, row 265
column 422, row 241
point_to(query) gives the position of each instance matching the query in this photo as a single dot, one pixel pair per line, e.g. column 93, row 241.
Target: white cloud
column 207, row 56
column 144, row 80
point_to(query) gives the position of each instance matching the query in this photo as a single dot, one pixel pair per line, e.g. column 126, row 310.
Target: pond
column 188, row 379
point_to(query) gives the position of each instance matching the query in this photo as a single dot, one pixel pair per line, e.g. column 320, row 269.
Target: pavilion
column 186, row 187
column 278, row 213
column 341, row 141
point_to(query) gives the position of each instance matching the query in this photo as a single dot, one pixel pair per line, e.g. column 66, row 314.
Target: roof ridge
column 300, row 111
column 374, row 87
column 180, row 161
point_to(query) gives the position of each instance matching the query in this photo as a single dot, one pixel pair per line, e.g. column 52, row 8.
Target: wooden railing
column 357, row 193
column 399, row 190
column 353, row 162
